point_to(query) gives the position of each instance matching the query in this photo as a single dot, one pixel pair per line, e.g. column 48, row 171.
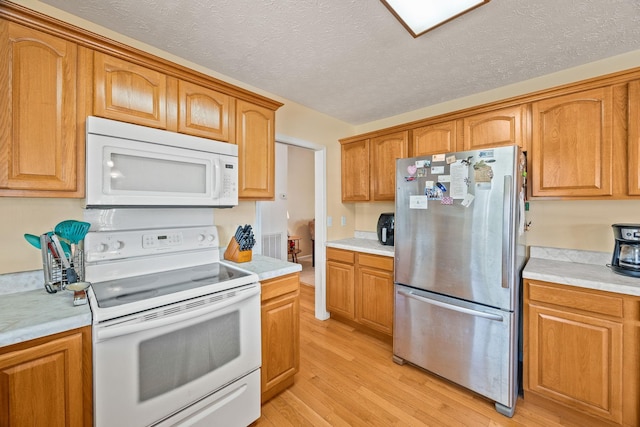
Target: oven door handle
column 140, row 324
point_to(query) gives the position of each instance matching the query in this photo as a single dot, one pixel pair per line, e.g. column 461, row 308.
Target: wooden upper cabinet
column 204, row 112
column 40, row 145
column 634, row 138
column 495, row 128
column 128, row 92
column 255, row 136
column 434, row 139
column 571, row 144
column 384, row 152
column 355, row 171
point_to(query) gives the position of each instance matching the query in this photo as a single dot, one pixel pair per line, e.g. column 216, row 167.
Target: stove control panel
column 111, row 245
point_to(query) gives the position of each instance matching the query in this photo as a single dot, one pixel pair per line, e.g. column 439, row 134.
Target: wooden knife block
column 233, row 252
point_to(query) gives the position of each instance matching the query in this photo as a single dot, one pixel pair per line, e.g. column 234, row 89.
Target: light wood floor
column 347, row 378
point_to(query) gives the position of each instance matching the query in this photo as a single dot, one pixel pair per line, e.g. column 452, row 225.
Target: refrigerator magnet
column 438, row 158
column 411, row 170
column 444, row 178
column 418, row 202
column 441, row 186
column 468, row 199
column 451, row 159
column 435, row 170
column 428, row 185
column 446, row 200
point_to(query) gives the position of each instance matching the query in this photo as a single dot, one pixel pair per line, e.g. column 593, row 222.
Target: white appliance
column 131, row 165
column 176, row 332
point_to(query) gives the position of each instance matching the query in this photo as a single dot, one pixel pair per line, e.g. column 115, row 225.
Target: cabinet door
column 255, row 136
column 375, row 299
column 280, row 343
column 355, row 171
column 384, row 152
column 572, row 141
column 634, row 138
column 129, row 92
column 204, row 112
column 434, row 139
column 341, row 289
column 576, row 360
column 42, row 385
column 39, row 146
column 495, row 128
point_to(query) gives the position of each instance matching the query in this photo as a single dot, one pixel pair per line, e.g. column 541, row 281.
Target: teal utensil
column 35, row 242
column 72, row 230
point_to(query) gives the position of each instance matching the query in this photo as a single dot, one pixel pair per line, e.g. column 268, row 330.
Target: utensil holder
column 55, row 274
column 233, row 252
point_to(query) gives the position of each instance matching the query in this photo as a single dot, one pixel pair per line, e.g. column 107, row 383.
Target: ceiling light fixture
column 420, row 16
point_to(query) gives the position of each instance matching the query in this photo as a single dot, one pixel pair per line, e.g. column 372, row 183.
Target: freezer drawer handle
column 452, row 307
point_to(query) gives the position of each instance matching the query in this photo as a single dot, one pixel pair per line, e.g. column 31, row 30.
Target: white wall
column 301, row 204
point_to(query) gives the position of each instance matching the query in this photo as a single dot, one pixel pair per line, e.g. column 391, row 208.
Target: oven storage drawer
column 236, row 405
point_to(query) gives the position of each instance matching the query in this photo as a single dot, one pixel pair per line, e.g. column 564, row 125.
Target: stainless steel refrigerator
column 459, row 252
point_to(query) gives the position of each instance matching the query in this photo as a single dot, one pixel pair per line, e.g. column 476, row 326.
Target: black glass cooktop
column 138, row 288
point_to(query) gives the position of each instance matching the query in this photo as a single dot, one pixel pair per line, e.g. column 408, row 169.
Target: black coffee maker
column 626, row 253
column 386, row 224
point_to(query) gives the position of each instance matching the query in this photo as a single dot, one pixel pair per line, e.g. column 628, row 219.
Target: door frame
column 320, row 213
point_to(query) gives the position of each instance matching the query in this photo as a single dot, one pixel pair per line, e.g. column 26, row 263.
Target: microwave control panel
column 229, row 180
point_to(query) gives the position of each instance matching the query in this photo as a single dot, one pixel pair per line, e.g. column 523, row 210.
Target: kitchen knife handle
column 507, row 210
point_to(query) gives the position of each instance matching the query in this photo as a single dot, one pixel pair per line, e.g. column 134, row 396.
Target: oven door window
column 171, row 360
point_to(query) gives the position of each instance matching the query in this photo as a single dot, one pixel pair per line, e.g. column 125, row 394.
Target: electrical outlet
column 343, row 220
column 329, row 221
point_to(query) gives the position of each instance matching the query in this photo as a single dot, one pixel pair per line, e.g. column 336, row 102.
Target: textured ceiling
column 351, row 59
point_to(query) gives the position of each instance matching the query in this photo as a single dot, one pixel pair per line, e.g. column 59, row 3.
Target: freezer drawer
column 469, row 344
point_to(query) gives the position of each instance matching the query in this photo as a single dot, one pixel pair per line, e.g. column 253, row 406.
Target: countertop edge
column 362, row 245
column 588, row 276
column 28, row 333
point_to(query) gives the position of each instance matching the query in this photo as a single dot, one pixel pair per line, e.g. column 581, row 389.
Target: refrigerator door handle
column 451, row 307
column 506, row 230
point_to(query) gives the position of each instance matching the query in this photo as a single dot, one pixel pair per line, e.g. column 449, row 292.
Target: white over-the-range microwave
column 137, row 166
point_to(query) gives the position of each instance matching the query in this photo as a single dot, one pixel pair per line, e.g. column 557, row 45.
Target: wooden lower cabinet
column 341, row 279
column 47, row 381
column 581, row 352
column 280, row 334
column 360, row 288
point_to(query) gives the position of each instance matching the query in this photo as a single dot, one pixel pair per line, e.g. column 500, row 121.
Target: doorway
column 264, row 210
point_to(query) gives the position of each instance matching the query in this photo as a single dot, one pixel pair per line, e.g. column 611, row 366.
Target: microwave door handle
column 217, row 180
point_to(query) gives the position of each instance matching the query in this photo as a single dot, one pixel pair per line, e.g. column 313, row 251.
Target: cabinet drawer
column 279, row 286
column 579, row 299
column 341, row 255
column 375, row 261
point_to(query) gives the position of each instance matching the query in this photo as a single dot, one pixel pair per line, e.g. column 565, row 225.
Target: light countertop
column 362, row 242
column 266, row 267
column 584, row 269
column 35, row 313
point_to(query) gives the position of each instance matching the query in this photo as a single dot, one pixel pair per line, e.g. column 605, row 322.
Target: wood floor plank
column 348, row 378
